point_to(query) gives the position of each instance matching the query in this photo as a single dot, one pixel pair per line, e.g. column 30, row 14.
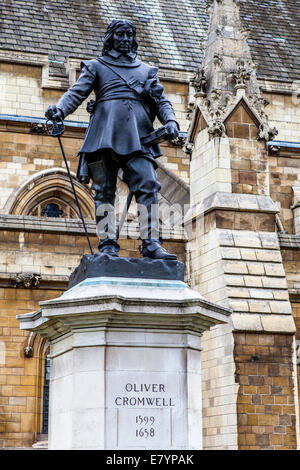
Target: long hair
column 108, row 40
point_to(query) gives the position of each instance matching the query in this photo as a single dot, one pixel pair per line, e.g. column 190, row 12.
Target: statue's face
column 122, row 39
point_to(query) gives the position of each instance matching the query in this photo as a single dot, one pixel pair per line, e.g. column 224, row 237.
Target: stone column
column 125, row 363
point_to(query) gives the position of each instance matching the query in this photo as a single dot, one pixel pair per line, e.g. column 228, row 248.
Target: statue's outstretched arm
column 70, row 101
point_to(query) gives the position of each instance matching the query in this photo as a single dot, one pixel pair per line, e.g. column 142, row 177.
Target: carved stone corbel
column 266, row 133
column 26, row 280
column 216, row 129
column 274, row 150
column 28, row 348
column 188, row 148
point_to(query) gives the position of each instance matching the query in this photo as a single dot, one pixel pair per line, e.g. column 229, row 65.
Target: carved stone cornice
column 23, row 58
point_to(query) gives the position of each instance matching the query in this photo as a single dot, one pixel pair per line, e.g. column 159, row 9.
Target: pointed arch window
column 53, row 189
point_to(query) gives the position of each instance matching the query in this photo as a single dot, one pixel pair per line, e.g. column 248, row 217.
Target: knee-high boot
column 104, row 178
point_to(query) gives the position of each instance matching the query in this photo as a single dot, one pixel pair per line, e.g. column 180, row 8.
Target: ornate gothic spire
column 228, row 74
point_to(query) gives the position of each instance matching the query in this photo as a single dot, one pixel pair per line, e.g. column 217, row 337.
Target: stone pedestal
column 125, row 363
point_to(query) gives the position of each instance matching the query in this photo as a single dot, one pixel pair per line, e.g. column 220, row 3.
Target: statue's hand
column 53, row 112
column 172, row 129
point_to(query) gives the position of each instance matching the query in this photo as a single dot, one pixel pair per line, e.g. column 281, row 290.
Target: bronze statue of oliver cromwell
column 128, row 98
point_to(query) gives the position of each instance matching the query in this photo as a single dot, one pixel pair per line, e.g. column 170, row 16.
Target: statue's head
column 121, row 36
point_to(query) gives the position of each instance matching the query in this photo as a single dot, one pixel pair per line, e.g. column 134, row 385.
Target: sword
column 55, row 128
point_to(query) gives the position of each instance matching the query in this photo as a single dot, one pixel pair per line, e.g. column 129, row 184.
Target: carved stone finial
column 199, row 82
column 218, row 60
column 27, row 280
column 210, row 3
column 241, row 75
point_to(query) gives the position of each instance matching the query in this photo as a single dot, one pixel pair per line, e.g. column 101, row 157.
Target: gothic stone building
column 230, row 197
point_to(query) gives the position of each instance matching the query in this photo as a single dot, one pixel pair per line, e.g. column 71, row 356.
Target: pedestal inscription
column 144, row 428
column 147, row 407
column 144, row 414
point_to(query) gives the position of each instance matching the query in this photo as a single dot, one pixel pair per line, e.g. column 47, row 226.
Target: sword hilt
column 55, row 127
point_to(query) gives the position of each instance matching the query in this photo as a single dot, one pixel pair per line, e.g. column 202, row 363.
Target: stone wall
column 266, row 403
column 284, row 114
column 284, row 174
column 210, row 167
column 20, row 378
column 291, row 263
column 24, row 154
column 249, row 163
column 219, row 390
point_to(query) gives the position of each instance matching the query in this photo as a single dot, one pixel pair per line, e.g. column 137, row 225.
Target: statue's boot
column 104, row 178
column 152, row 249
column 110, row 248
column 149, row 228
column 141, row 178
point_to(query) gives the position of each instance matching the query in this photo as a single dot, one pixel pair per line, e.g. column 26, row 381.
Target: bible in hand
column 155, row 137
